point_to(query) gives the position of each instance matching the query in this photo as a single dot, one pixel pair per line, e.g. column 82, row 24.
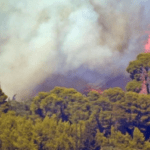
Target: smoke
column 71, row 38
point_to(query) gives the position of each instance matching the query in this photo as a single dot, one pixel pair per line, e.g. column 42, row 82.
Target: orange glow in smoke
column 90, row 88
column 147, row 46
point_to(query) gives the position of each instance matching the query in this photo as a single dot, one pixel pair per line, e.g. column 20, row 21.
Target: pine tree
column 139, row 73
column 3, row 103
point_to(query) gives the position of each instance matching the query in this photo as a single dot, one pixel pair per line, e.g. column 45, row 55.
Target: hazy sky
column 68, row 42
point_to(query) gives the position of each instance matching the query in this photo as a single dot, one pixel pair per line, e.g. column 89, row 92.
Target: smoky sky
column 67, row 42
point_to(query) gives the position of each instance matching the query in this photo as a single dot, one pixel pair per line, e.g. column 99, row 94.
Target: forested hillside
column 65, row 119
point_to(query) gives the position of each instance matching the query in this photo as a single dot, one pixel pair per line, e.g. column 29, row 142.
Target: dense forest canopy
column 65, row 119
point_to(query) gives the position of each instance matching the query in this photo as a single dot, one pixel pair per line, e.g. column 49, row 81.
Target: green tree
column 3, row 103
column 16, row 132
column 115, row 141
column 134, row 86
column 67, row 104
column 139, row 70
column 57, row 135
column 137, row 111
column 21, row 108
column 115, row 113
column 138, row 140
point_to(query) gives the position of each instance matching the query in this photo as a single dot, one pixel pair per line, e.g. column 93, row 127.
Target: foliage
column 138, row 69
column 65, row 119
column 134, row 86
column 67, row 104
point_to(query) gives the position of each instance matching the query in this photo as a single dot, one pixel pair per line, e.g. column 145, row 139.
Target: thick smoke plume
column 80, row 40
